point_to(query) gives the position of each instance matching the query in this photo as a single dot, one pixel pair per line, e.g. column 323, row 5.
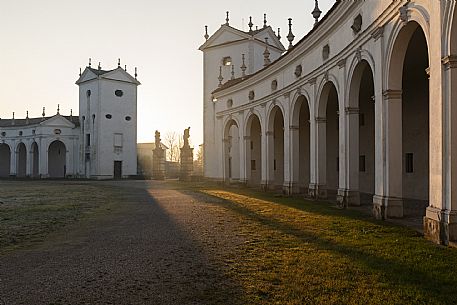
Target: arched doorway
column 275, row 142
column 328, row 140
column 300, row 133
column 21, row 153
column 5, row 160
column 361, row 138
column 232, row 151
column 409, row 150
column 254, row 151
column 57, row 153
column 35, row 160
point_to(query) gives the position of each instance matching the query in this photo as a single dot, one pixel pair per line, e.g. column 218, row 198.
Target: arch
column 35, row 159
column 5, row 160
column 300, row 145
column 399, row 42
column 275, row 147
column 407, row 98
column 354, row 71
column 57, row 163
column 232, row 150
column 323, row 94
column 361, row 133
column 21, row 160
column 253, row 150
column 271, row 114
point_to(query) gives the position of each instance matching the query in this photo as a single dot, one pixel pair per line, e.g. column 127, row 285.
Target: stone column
column 269, row 160
column 43, row 170
column 294, row 162
column 440, row 221
column 14, row 158
column 348, row 193
column 29, row 162
column 242, row 152
column 389, row 203
column 247, row 159
column 318, row 186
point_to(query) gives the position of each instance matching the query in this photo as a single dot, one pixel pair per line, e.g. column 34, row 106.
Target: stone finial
column 136, row 72
column 266, row 54
column 279, row 34
column 71, row 113
column 206, row 32
column 44, row 112
column 264, row 21
column 220, row 78
column 13, row 122
column 227, row 19
column 99, row 65
column 125, row 68
column 58, row 108
column 243, row 66
column 316, row 12
column 290, row 36
column 118, row 62
column 80, row 72
column 27, row 118
column 250, row 24
column 90, row 62
column 233, row 72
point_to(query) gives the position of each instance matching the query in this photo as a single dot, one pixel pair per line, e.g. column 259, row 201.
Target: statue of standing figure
column 157, row 136
column 186, row 137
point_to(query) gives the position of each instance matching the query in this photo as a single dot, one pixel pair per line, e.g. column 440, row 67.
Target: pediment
column 57, row 121
column 87, row 75
column 119, row 74
column 224, row 35
column 272, row 38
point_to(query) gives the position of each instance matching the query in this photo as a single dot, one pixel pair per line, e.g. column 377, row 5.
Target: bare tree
column 174, row 142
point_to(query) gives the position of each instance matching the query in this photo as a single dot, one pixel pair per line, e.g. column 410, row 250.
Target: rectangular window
column 252, row 145
column 253, row 168
column 118, row 140
column 88, row 139
column 361, row 119
column 409, row 162
column 274, row 164
column 362, row 165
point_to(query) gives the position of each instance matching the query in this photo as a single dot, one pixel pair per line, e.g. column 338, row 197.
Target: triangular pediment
column 57, row 121
column 272, row 38
column 223, row 36
column 119, row 74
column 86, row 76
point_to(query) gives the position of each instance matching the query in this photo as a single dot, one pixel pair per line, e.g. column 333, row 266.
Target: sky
column 44, row 43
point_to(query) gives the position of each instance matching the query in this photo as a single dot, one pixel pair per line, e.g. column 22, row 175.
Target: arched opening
column 232, row 151
column 328, row 140
column 21, row 160
column 5, row 160
column 361, row 123
column 300, row 133
column 409, row 161
column 276, row 149
column 254, row 151
column 57, row 154
column 35, row 160
column 415, row 122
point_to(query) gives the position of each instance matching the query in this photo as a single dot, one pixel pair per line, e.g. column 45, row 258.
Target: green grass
column 31, row 211
column 303, row 252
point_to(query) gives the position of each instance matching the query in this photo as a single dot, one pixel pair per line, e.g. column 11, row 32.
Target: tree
column 174, row 142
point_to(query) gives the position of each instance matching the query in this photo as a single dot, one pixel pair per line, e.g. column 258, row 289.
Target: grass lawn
column 31, row 210
column 303, row 252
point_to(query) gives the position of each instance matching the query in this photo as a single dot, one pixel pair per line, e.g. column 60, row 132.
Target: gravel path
column 162, row 247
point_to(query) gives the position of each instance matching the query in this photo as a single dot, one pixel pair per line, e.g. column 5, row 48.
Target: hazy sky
column 44, row 43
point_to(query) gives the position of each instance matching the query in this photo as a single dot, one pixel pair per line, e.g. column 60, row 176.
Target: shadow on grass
column 411, row 263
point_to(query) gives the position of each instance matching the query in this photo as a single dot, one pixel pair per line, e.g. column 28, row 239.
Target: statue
column 157, row 136
column 186, row 137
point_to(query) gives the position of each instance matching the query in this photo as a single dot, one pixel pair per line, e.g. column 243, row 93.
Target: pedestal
column 187, row 163
column 158, row 164
column 317, row 191
column 387, row 207
column 346, row 198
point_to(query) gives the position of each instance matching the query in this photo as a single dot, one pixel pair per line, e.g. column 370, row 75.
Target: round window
column 108, row 116
column 128, row 118
column 119, row 93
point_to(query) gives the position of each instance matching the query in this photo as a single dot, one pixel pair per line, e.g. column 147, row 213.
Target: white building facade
column 364, row 106
column 99, row 144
